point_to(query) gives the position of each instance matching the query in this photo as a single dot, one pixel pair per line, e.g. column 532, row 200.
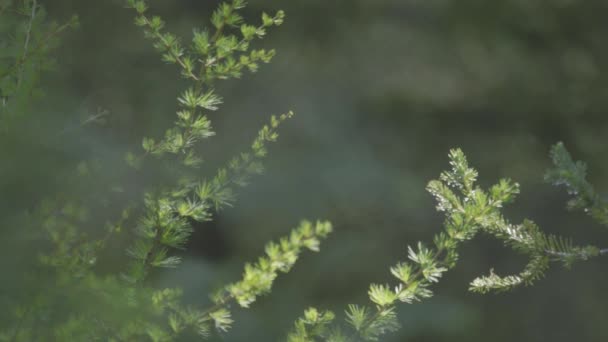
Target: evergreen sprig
column 573, row 176
column 165, row 224
column 469, row 210
column 280, row 257
column 315, row 325
column 257, row 281
column 210, row 56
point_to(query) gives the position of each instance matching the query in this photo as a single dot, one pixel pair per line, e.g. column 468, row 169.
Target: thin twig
column 170, row 51
column 578, row 255
column 93, row 118
column 27, row 41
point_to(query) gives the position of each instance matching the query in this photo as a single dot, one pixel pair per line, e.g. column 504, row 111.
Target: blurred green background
column 382, row 89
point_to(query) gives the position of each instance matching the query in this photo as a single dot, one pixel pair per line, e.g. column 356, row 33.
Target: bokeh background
column 382, row 89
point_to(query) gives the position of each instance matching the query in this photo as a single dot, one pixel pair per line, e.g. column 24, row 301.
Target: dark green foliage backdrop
column 382, row 89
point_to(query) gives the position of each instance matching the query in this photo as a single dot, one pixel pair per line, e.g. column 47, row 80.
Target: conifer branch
column 192, row 125
column 280, row 257
column 173, row 53
column 257, row 280
column 469, row 210
column 573, row 176
column 165, row 225
column 315, row 325
column 26, row 48
column 41, row 46
column 169, row 228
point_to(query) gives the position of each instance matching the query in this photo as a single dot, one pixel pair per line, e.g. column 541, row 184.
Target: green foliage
column 166, row 221
column 125, row 306
column 257, row 281
column 280, row 257
column 572, row 175
column 26, row 40
column 315, row 325
column 71, row 299
column 165, row 224
column 211, row 56
column 469, row 210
